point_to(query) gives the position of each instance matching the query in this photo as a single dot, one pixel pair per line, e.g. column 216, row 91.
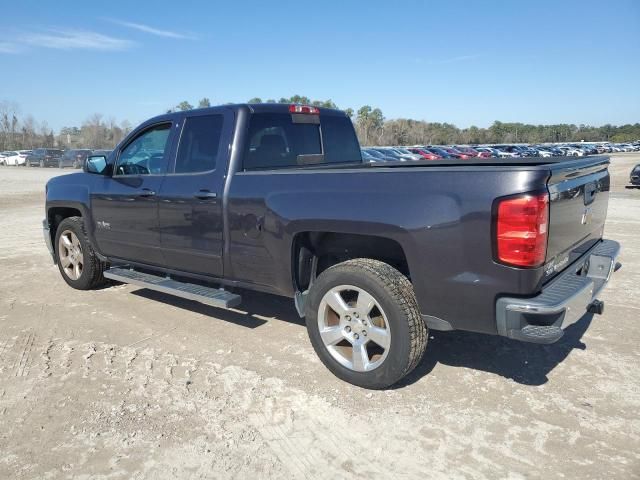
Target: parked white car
column 505, row 154
column 572, row 151
column 13, row 158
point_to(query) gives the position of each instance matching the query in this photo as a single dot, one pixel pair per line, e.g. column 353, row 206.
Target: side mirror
column 95, row 164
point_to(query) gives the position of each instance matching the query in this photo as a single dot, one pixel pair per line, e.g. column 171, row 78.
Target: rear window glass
column 276, row 142
column 54, row 152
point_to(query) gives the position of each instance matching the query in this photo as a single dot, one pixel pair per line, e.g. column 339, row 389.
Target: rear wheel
column 364, row 323
column 77, row 261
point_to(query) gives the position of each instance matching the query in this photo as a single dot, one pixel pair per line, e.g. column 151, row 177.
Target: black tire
column 93, row 268
column 394, row 293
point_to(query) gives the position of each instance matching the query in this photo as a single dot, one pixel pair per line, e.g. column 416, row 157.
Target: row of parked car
column 48, row 157
column 52, row 157
column 438, row 152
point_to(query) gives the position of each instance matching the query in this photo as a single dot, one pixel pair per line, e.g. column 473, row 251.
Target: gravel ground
column 125, row 383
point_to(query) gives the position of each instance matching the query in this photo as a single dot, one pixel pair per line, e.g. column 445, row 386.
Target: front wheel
column 364, row 323
column 77, row 261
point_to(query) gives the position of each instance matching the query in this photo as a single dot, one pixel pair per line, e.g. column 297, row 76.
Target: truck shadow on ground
column 252, row 312
column 524, row 363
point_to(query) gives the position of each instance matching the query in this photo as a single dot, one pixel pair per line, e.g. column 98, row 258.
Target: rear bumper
column 542, row 319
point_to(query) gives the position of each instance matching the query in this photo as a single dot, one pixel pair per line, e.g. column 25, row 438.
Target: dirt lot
column 125, row 383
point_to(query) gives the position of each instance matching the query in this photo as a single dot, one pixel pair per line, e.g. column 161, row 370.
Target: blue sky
column 464, row 62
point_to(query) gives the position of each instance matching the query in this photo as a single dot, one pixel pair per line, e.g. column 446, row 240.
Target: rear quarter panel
column 441, row 216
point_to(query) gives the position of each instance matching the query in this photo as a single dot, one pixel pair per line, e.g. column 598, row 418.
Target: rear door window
column 199, row 144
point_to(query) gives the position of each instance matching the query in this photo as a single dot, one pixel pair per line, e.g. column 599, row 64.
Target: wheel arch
column 313, row 252
column 55, row 216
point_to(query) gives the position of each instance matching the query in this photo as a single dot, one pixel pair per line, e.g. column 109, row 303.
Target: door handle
column 146, row 192
column 205, row 195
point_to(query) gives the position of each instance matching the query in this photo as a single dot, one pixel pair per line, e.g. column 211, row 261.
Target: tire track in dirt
column 21, row 362
column 45, row 356
column 87, row 357
column 151, row 386
column 302, row 443
column 5, row 346
column 109, row 356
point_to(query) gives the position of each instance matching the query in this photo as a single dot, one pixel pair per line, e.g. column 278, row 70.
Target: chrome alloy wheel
column 70, row 255
column 354, row 328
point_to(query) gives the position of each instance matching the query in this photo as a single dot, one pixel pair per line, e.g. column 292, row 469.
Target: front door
column 190, row 200
column 125, row 205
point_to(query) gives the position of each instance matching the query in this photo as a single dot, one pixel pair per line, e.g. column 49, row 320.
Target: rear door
column 190, row 200
column 579, row 196
column 125, row 205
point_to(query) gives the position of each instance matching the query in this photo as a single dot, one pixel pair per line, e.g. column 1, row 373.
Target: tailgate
column 579, row 195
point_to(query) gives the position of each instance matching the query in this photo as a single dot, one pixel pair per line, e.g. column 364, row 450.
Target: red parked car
column 473, row 152
column 454, row 152
column 426, row 154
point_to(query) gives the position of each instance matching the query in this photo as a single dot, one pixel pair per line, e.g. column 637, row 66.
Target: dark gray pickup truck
column 277, row 198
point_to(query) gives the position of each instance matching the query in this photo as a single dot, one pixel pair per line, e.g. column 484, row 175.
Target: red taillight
column 522, row 229
column 307, row 109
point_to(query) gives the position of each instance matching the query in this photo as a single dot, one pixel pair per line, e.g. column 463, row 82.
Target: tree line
column 372, row 128
column 25, row 132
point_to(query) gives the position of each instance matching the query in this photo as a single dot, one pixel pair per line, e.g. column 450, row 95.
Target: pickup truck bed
column 486, row 245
